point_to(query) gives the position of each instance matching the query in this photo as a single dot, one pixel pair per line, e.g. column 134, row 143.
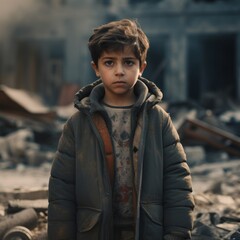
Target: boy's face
column 119, row 71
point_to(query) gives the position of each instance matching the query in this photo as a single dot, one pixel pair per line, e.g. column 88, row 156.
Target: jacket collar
column 89, row 97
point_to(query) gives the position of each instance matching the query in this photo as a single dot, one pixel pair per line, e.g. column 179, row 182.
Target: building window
column 212, row 66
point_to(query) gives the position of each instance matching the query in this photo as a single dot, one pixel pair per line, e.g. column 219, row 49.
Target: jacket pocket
column 88, row 223
column 151, row 224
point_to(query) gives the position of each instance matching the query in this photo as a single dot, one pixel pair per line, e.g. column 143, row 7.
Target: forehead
column 125, row 51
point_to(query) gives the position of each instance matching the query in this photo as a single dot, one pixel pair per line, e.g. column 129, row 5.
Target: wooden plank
column 197, row 130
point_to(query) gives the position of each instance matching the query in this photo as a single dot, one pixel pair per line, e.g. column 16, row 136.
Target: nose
column 119, row 71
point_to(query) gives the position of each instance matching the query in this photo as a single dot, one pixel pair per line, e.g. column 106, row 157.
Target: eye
column 108, row 63
column 129, row 63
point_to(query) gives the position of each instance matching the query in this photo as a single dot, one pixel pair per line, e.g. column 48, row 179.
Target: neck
column 123, row 102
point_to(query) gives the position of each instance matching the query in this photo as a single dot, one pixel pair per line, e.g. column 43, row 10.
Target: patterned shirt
column 123, row 184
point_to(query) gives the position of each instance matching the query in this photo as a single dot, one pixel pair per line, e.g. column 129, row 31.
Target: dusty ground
column 17, row 182
column 24, row 178
column 27, row 178
column 216, row 190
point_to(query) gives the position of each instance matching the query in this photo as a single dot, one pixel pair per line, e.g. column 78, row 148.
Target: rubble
column 29, row 130
column 20, row 102
column 204, row 133
column 24, row 215
column 18, row 232
column 16, row 146
column 27, row 218
column 211, row 140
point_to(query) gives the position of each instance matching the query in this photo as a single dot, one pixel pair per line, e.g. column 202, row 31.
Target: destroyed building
column 195, row 44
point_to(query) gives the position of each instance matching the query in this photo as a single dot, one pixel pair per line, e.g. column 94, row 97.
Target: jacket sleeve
column 178, row 199
column 62, row 209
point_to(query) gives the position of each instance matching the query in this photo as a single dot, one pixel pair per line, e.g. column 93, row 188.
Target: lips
column 119, row 82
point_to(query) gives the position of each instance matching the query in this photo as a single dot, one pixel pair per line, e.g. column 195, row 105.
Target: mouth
column 119, row 82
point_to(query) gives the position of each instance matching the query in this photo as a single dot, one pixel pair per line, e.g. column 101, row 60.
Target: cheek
column 106, row 76
column 136, row 74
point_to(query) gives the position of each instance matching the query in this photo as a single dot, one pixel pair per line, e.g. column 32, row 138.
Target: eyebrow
column 125, row 58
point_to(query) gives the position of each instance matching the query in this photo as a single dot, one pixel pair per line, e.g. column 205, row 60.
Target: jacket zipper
column 140, row 172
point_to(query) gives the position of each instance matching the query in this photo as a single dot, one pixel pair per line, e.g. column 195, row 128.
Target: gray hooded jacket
column 80, row 195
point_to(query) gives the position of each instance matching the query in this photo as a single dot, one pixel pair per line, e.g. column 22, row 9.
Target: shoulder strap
column 108, row 147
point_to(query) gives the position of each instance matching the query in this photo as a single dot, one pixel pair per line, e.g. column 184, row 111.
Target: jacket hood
column 90, row 96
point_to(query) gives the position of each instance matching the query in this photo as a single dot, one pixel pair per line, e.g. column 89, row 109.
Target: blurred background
column 195, row 44
column 194, row 58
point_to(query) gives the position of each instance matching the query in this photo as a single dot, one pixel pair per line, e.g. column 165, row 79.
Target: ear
column 95, row 68
column 142, row 67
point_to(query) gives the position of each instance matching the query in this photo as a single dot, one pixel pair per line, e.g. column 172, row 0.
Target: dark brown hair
column 114, row 36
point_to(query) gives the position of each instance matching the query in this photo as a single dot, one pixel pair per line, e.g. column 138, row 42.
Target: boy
column 120, row 171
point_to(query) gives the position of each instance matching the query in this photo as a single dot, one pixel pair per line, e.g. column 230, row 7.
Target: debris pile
column 211, row 139
column 217, row 198
column 29, row 131
column 210, row 135
column 24, row 216
column 206, row 131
